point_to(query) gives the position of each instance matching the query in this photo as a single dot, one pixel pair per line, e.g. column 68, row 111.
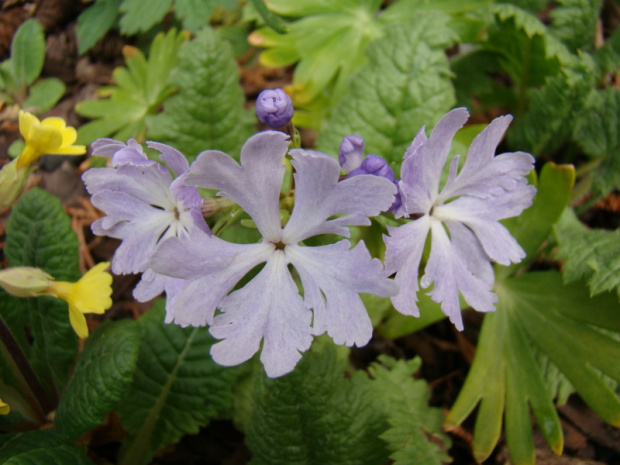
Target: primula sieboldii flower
column 91, row 294
column 487, row 189
column 274, row 108
column 51, row 136
column 143, row 206
column 352, row 160
column 269, row 307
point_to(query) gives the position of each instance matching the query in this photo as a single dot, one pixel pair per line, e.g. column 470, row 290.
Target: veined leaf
column 39, row 234
column 44, row 447
column 176, row 389
column 405, row 85
column 536, row 310
column 574, row 22
column 608, row 56
column 207, row 111
column 591, row 254
column 101, row 377
column 141, row 88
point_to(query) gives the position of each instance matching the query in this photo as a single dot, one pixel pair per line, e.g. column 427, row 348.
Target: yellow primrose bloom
column 91, row 294
column 51, row 136
column 4, row 408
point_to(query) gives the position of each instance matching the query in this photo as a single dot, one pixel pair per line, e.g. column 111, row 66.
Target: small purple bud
column 274, row 108
column 351, row 153
column 375, row 165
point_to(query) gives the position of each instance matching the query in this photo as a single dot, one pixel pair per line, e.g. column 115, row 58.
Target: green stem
column 225, row 221
column 272, row 20
column 31, row 389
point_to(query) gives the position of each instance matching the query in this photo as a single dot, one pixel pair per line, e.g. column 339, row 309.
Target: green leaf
column 535, row 224
column 39, row 234
column 593, row 255
column 207, row 111
column 44, row 95
column 415, row 434
column 196, row 13
column 405, row 85
column 94, row 22
column 44, row 447
column 536, row 314
column 28, row 52
column 103, row 374
column 315, row 415
column 136, row 18
column 398, row 325
column 141, row 88
column 608, row 56
column 597, row 134
column 574, row 22
column 176, row 389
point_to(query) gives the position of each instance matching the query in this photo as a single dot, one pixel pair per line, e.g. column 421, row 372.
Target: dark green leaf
column 593, row 255
column 574, row 22
column 39, row 234
column 94, row 22
column 207, row 111
column 176, row 389
column 608, row 56
column 28, row 52
column 405, row 85
column 136, row 18
column 44, row 447
column 103, row 374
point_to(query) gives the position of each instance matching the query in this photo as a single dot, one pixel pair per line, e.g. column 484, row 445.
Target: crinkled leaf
column 44, row 447
column 608, row 56
column 415, row 434
column 94, row 22
column 176, row 389
column 574, row 22
column 195, row 14
column 141, row 88
column 44, row 95
column 28, row 52
column 590, row 254
column 39, row 234
column 405, row 85
column 537, row 313
column 597, row 134
column 103, row 374
column 207, row 111
column 315, row 415
column 136, row 18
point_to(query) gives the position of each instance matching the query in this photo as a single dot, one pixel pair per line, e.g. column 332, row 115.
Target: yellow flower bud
column 50, row 136
column 4, row 408
column 24, row 281
column 12, row 183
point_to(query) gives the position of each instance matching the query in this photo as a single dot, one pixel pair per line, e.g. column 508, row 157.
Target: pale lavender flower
column 463, row 217
column 274, row 108
column 269, row 307
column 143, row 206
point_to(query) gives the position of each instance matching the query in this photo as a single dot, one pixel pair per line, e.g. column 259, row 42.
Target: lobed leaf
column 405, row 85
column 101, row 377
column 574, row 22
column 176, row 388
column 207, row 111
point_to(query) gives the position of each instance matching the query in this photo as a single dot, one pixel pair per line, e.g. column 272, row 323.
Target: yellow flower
column 91, row 294
column 4, row 408
column 50, row 136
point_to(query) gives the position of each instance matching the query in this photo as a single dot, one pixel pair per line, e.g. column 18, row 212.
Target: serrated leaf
column 44, row 447
column 597, row 134
column 141, row 88
column 608, row 56
column 101, row 377
column 207, row 111
column 196, row 13
column 94, row 22
column 28, row 52
column 405, row 85
column 591, row 254
column 415, row 434
column 44, row 95
column 315, row 415
column 537, row 313
column 574, row 22
column 176, row 389
column 39, row 234
column 136, row 18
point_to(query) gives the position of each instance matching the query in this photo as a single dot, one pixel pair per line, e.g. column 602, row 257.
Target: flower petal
column 319, row 195
column 351, row 153
column 269, row 307
column 254, row 185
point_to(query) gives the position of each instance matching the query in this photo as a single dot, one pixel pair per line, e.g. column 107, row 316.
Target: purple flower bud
column 351, row 153
column 375, row 165
column 274, row 108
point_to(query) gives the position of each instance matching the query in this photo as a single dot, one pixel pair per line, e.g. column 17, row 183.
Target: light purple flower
column 143, row 206
column 274, row 108
column 463, row 217
column 269, row 307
